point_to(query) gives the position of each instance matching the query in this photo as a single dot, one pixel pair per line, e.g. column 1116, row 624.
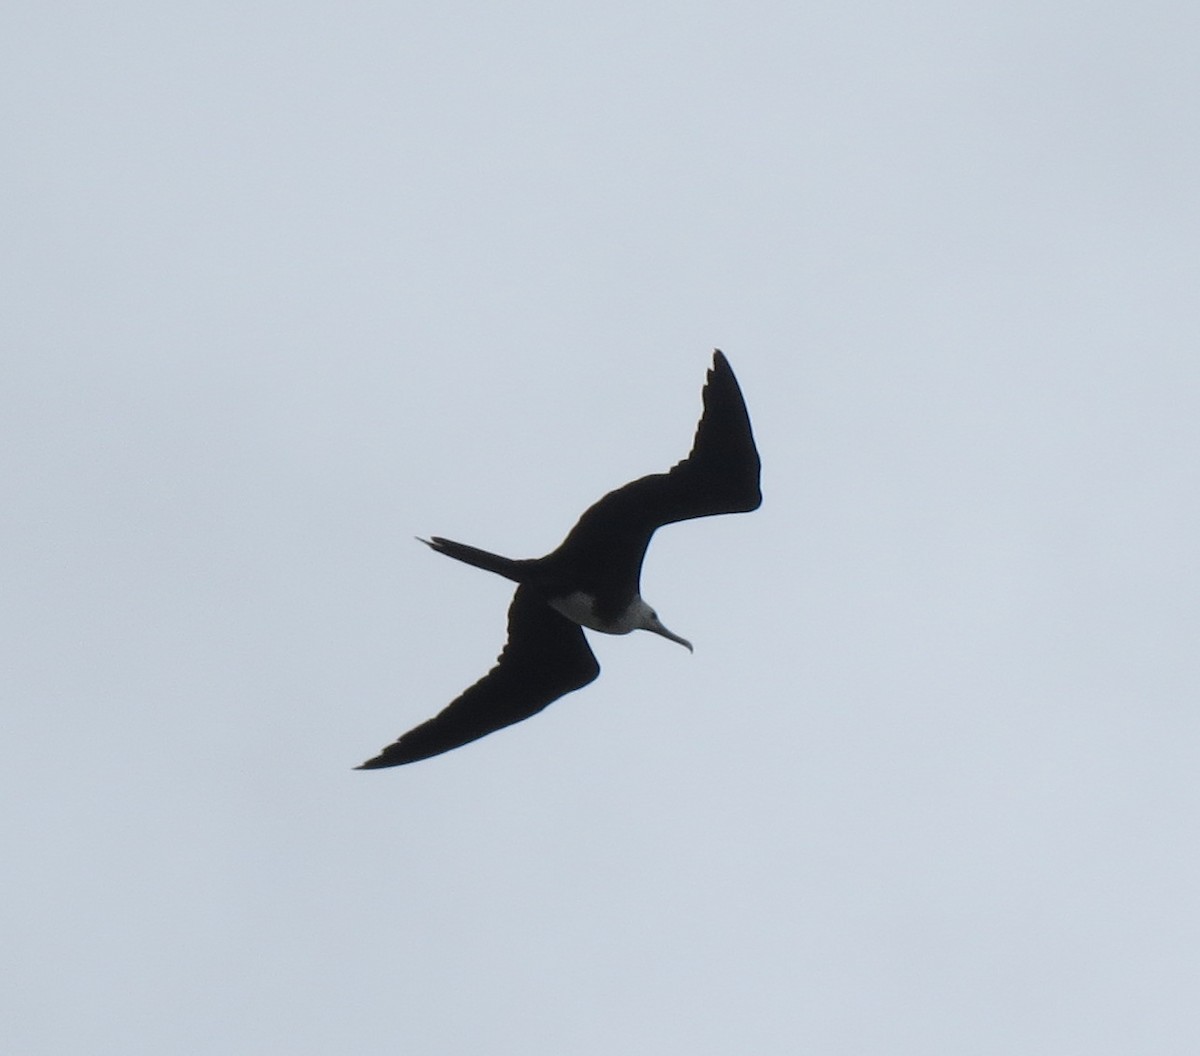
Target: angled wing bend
column 720, row 475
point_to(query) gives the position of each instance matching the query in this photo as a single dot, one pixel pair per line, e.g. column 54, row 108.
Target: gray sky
column 286, row 285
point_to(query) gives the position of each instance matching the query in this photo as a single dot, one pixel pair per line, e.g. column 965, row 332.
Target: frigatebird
column 592, row 580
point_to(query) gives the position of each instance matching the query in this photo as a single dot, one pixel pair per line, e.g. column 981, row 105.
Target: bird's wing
column 720, row 475
column 546, row 657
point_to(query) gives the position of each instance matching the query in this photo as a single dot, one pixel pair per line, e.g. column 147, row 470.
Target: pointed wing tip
column 721, row 368
column 373, row 764
column 392, row 755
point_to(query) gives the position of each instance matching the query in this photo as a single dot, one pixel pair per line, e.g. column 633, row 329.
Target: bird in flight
column 592, row 580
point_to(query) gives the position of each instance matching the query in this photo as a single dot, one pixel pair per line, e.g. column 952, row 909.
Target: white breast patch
column 581, row 608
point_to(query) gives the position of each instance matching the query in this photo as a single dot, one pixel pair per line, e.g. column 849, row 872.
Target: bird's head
column 650, row 622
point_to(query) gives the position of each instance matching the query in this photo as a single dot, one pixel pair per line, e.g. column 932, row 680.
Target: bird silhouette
column 592, row 580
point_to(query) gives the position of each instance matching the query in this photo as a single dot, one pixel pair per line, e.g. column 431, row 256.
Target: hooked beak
column 655, row 625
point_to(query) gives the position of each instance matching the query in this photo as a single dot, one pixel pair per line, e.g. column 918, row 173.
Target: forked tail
column 503, row 566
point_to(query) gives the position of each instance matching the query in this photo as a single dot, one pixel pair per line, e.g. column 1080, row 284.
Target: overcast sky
column 285, row 285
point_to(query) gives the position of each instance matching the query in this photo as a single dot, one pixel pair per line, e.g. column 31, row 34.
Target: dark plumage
column 592, row 579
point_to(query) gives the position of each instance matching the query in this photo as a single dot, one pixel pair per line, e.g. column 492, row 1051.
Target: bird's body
column 592, row 579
